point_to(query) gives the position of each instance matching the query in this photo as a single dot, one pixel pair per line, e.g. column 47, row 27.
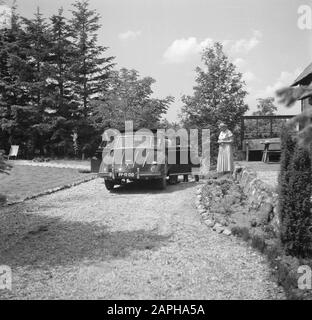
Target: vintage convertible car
column 144, row 160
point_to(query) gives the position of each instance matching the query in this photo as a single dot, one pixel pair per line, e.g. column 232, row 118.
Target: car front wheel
column 173, row 179
column 162, row 183
column 109, row 184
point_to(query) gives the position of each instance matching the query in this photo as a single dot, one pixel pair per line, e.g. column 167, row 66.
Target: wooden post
column 242, row 131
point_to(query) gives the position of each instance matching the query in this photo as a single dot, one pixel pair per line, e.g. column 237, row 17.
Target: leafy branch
column 288, row 96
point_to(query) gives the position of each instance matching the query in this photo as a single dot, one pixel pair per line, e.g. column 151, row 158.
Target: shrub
column 287, row 146
column 295, row 202
column 273, row 250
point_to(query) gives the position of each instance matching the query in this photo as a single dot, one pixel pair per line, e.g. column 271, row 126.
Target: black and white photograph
column 155, row 151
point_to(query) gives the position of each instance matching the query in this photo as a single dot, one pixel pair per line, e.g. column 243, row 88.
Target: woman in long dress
column 225, row 157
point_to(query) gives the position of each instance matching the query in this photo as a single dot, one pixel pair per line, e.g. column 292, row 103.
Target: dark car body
column 112, row 163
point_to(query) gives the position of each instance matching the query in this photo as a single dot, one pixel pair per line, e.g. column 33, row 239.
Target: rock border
column 260, row 195
column 206, row 216
column 49, row 191
column 284, row 268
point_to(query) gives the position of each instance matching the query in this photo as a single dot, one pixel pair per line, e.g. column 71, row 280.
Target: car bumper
column 137, row 176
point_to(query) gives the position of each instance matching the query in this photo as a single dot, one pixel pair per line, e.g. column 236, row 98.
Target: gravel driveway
column 135, row 243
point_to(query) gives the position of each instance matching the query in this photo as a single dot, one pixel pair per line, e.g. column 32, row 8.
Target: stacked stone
column 208, row 217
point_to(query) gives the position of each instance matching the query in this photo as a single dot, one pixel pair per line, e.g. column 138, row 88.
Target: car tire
column 173, row 179
column 162, row 183
column 109, row 185
column 196, row 177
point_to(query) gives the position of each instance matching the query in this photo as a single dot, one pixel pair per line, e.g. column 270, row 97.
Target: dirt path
column 136, row 243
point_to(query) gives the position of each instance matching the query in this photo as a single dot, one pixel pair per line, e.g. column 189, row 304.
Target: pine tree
column 91, row 69
column 63, row 111
column 37, row 44
column 7, row 96
column 60, row 64
column 13, row 94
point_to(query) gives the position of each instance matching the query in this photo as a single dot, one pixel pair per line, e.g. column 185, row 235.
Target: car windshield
column 141, row 141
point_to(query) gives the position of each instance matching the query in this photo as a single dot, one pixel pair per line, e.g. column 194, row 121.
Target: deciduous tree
column 266, row 107
column 218, row 95
column 130, row 98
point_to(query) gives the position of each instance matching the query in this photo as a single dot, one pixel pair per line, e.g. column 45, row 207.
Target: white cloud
column 239, row 62
column 182, row 49
column 285, row 79
column 243, row 45
column 129, row 35
column 249, row 76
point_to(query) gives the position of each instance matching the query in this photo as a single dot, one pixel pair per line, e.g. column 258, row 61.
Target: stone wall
column 261, row 196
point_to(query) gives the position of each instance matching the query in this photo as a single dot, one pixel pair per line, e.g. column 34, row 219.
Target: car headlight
column 154, row 166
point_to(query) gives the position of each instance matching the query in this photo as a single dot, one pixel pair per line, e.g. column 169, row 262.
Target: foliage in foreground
column 289, row 96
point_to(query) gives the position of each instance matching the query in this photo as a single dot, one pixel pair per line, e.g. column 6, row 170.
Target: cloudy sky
column 164, row 38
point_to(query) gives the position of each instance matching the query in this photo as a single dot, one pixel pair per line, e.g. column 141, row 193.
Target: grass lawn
column 25, row 181
column 71, row 162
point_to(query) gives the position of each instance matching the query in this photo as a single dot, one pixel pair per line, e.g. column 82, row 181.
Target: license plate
column 126, row 174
